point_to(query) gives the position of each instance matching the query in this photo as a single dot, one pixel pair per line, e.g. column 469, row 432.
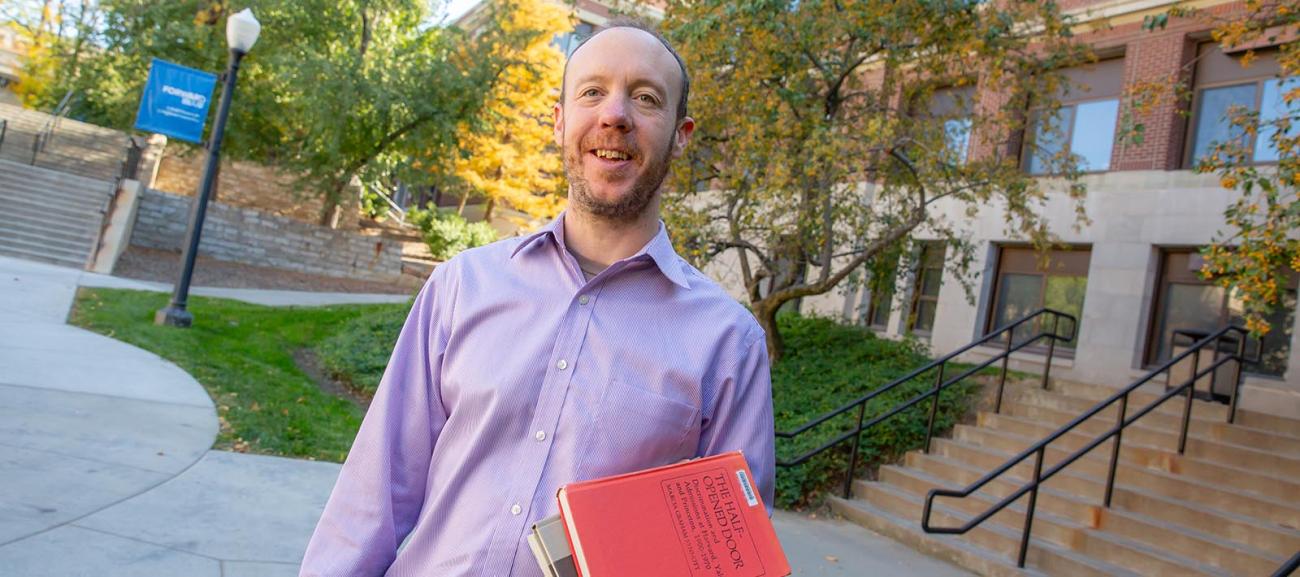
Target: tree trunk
column 487, row 210
column 330, row 208
column 460, row 209
column 765, row 312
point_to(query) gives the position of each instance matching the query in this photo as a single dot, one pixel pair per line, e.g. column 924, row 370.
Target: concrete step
column 51, row 206
column 52, row 229
column 75, row 258
column 39, row 216
column 1235, row 433
column 1272, row 423
column 27, row 171
column 37, row 239
column 1067, row 515
column 1173, row 408
column 897, row 513
column 1087, row 477
column 1155, row 449
column 1222, row 529
column 42, row 192
column 17, row 252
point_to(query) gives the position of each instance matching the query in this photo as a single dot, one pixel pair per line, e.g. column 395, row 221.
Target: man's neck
column 598, row 243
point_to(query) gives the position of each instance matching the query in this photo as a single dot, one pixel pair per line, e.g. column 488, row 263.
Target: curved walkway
column 104, row 452
column 105, row 467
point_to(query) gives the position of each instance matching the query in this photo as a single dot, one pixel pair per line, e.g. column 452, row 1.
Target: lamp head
column 242, row 30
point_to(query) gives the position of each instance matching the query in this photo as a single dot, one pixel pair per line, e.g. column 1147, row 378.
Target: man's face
column 618, row 126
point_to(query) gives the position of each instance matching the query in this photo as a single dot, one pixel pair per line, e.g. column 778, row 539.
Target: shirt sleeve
column 381, row 487
column 741, row 415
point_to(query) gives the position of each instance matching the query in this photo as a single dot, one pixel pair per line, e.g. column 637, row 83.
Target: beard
column 628, row 208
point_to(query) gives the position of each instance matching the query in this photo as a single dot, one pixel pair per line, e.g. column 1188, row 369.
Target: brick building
column 1131, row 274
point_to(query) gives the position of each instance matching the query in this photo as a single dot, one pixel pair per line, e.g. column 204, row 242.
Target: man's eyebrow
column 660, row 87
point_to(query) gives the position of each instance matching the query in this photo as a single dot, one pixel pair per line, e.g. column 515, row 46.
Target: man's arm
column 382, row 485
column 741, row 415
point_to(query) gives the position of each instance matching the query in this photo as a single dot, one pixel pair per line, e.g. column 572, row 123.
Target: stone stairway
column 1229, row 506
column 50, row 216
column 75, row 147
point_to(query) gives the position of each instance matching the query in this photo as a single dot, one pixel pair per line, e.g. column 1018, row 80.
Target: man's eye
column 648, row 99
column 590, row 92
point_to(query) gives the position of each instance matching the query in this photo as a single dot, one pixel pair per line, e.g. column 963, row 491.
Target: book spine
column 577, row 566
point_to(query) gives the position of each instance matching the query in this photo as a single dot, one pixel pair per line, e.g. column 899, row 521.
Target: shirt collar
column 659, row 249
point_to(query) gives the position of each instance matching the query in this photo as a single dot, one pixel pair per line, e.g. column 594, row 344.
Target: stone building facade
column 1130, row 275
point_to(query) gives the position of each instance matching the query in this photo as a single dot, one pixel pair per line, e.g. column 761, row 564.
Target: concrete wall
column 261, row 239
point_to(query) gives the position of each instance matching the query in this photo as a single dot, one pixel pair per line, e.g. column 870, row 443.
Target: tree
column 333, row 90
column 1260, row 249
column 506, row 156
column 820, row 145
column 57, row 36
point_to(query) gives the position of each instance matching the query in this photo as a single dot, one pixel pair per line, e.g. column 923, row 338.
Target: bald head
column 626, row 30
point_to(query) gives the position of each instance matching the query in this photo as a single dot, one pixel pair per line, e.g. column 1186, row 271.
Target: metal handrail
column 46, row 134
column 4, row 129
column 1289, row 566
column 395, row 211
column 1039, row 449
column 940, row 383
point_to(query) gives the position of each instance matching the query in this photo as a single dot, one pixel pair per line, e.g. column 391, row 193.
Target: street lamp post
column 242, row 30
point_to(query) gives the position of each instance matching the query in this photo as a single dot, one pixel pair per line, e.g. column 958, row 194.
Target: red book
column 692, row 519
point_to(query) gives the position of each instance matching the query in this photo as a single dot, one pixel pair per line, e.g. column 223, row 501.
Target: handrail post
column 853, row 457
column 1236, row 385
column 1029, row 511
column 1002, row 380
column 1191, row 393
column 1051, row 350
column 1114, row 452
column 934, row 408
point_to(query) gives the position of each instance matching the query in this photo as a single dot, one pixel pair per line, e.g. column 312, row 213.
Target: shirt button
column 540, row 436
column 563, row 364
column 582, row 300
column 516, row 509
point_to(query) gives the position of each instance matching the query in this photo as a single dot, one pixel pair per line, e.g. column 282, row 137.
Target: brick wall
column 242, row 184
column 262, row 239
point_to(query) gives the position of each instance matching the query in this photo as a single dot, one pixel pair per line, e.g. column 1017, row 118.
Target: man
column 584, row 350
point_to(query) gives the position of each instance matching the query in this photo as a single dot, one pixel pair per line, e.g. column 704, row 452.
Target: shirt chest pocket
column 637, row 429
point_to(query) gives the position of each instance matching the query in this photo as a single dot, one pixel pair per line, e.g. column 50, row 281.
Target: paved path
column 107, row 469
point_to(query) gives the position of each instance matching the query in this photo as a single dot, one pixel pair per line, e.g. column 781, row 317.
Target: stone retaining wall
column 261, row 239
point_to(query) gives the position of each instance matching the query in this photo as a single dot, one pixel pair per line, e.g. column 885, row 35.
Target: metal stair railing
column 1289, row 566
column 860, row 404
column 1234, row 335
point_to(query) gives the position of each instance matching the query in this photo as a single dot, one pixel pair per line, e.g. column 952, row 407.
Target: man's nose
column 614, row 113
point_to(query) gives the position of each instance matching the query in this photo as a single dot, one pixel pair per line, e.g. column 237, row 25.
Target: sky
column 457, row 7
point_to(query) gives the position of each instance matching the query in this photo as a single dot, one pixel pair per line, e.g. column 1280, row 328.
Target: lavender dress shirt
column 513, row 376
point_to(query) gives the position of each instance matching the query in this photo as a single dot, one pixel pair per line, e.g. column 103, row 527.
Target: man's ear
column 557, row 118
column 685, row 127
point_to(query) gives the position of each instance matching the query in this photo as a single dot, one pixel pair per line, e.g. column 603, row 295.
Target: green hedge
column 825, row 365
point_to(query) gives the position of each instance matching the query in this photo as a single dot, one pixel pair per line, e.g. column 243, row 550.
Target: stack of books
column 691, row 519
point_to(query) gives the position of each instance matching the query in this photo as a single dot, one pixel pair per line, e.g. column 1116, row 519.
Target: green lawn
column 243, row 355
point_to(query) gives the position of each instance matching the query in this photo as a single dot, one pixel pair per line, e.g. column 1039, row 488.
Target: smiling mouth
column 610, row 154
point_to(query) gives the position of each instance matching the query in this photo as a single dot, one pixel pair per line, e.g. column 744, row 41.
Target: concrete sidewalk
column 107, row 468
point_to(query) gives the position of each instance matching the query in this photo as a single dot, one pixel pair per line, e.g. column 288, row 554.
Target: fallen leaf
column 832, row 559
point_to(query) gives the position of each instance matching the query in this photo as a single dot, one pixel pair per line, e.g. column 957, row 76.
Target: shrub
column 358, row 353
column 825, row 365
column 448, row 233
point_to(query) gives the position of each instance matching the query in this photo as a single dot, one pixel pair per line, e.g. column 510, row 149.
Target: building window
column 1185, row 301
column 1027, row 282
column 925, row 293
column 569, row 42
column 951, row 109
column 881, row 291
column 1225, row 89
column 1084, row 125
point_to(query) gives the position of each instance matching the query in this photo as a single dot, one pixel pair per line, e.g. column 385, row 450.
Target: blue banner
column 175, row 101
